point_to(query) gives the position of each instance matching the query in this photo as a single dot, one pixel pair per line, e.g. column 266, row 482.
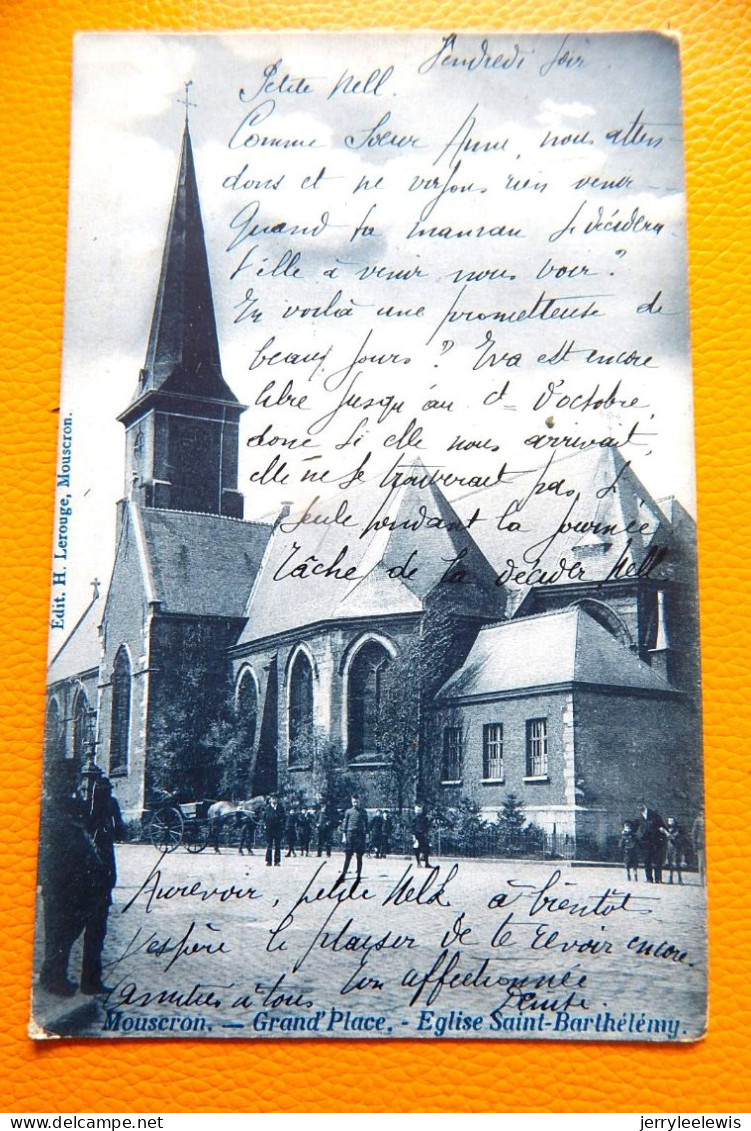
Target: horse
column 220, row 813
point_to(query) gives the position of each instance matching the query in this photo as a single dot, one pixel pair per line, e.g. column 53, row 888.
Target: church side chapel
column 213, row 665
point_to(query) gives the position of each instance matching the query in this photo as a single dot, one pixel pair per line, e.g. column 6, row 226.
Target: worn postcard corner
column 37, row 1033
column 374, row 698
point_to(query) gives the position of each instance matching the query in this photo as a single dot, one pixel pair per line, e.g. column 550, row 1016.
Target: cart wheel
column 166, row 829
column 197, row 835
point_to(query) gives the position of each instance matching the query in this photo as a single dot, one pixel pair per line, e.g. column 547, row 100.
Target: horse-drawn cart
column 200, row 824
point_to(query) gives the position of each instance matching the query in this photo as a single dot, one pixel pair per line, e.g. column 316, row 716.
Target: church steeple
column 182, row 424
column 183, row 350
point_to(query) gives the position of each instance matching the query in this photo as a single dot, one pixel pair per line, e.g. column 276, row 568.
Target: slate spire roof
column 183, row 351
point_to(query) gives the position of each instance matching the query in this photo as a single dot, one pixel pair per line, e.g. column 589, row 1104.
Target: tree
column 399, row 725
column 511, row 822
column 332, row 784
column 465, row 825
column 516, row 836
column 190, row 723
column 410, row 734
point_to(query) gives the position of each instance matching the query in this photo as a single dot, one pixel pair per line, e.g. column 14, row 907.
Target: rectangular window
column 451, row 767
column 492, row 752
column 537, row 748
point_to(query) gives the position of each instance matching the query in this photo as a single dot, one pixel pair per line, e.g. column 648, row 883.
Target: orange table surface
column 714, row 1075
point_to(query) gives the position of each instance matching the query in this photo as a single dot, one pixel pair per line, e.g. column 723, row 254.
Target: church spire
column 182, row 425
column 183, row 350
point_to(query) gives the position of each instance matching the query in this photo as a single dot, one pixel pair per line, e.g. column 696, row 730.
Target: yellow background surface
column 75, row 1076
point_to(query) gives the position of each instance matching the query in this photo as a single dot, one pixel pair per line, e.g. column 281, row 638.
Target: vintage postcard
column 373, row 704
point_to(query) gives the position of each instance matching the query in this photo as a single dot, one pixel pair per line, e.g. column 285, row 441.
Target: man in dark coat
column 354, row 836
column 421, row 835
column 275, row 822
column 376, row 834
column 653, row 843
column 325, row 828
column 105, row 826
column 73, row 877
column 304, row 829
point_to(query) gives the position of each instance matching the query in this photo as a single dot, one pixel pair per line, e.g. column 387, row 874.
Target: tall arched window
column 54, row 735
column 247, row 710
column 366, row 700
column 80, row 723
column 301, row 711
column 120, row 727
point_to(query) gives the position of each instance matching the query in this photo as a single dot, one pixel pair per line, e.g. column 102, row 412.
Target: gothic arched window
column 247, row 710
column 80, row 723
column 301, row 711
column 54, row 733
column 366, row 700
column 120, row 726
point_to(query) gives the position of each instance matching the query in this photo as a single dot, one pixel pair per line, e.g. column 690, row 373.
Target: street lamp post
column 90, row 773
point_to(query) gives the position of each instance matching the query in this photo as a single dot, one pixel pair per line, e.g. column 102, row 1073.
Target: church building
column 210, row 667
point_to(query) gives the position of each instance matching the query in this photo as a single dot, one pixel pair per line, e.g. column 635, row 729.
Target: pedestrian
column 274, row 822
column 354, row 836
column 247, row 832
column 629, row 845
column 421, row 835
column 105, row 824
column 291, row 832
column 304, row 831
column 73, row 879
column 387, row 828
column 697, row 841
column 653, row 843
column 376, row 834
column 675, row 847
column 325, row 829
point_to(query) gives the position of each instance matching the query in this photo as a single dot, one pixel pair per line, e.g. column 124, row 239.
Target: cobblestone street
column 221, row 945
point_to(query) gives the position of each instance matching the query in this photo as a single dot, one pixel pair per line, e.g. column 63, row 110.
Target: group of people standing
column 359, row 832
column 77, row 869
column 658, row 845
column 294, row 830
column 356, row 826
column 77, row 872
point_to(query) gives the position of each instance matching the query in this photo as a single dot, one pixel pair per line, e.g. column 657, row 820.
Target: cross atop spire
column 186, row 100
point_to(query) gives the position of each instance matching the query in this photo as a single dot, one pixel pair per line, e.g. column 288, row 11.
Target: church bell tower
column 182, row 424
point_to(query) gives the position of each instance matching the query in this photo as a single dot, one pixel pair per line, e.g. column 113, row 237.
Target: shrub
column 516, row 837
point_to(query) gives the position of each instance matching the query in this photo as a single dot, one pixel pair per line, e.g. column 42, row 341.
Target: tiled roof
column 584, row 507
column 202, row 564
column 544, row 651
column 80, row 652
column 376, row 585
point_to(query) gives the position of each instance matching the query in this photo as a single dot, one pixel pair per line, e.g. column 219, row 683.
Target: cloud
column 555, row 114
column 125, row 80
